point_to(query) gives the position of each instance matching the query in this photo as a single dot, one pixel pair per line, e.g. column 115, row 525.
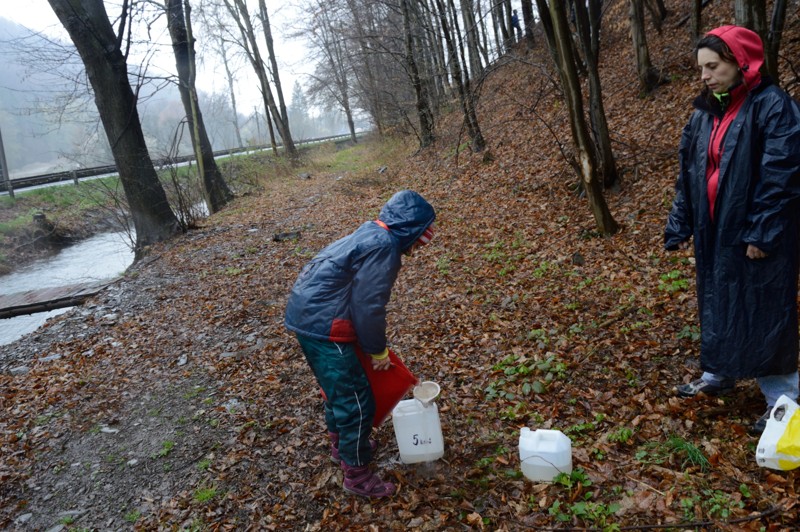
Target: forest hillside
column 176, row 400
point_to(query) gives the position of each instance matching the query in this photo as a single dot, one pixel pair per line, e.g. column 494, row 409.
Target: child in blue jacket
column 339, row 300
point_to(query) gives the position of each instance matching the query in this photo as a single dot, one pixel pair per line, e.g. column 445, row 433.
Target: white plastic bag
column 779, row 446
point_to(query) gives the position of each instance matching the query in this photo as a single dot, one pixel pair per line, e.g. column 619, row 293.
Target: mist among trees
column 392, row 66
column 48, row 125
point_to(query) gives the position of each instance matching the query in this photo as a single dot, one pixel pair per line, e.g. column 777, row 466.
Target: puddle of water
column 103, row 256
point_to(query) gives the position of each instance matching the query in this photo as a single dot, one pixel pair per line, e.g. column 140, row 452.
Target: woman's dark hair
column 715, row 44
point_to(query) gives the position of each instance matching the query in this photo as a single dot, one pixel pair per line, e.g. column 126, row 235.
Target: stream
column 100, row 257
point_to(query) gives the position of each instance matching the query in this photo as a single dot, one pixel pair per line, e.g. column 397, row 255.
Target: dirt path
column 153, row 393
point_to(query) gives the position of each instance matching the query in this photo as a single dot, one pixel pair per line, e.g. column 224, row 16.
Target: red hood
column 747, row 49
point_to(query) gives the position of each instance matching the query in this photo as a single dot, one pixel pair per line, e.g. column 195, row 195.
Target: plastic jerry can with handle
column 543, row 454
column 779, row 444
column 418, row 431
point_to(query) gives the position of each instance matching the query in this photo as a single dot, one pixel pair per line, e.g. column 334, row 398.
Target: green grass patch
column 166, row 448
column 204, row 495
column 16, row 224
column 675, row 449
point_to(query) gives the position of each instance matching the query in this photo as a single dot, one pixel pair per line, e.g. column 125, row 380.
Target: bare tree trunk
column 750, row 14
column 597, row 115
column 232, row 93
column 424, row 51
column 467, row 103
column 370, row 83
column 344, row 92
column 329, row 40
column 507, row 15
column 280, row 114
column 658, row 9
column 5, row 175
column 499, row 40
column 528, row 20
column 595, row 21
column 459, row 42
column 241, row 16
column 100, row 50
column 351, row 125
column 214, row 26
column 484, row 32
column 658, row 12
column 424, row 114
column 549, row 31
column 442, row 82
column 697, row 21
column 502, row 25
column 216, row 191
column 249, row 42
column 471, row 30
column 456, row 74
column 773, row 42
column 558, row 35
column 649, row 76
column 271, row 130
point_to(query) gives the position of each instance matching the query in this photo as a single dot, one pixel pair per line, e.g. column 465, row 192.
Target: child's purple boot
column 361, row 481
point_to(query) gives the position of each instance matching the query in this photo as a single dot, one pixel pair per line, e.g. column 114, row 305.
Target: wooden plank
column 45, row 299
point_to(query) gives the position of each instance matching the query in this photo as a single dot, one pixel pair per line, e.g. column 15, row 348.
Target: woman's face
column 716, row 73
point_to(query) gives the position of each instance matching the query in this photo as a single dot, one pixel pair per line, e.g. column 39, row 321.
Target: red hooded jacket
column 749, row 53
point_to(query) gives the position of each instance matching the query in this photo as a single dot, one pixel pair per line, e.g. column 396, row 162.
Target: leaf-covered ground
column 177, row 400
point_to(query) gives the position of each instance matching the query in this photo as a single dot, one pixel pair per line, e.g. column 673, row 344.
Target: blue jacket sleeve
column 371, row 290
column 778, row 187
column 679, row 223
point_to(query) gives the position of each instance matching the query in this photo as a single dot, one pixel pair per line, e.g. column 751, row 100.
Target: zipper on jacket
column 714, row 161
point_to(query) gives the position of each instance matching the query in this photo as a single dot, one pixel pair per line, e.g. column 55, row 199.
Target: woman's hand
column 754, row 253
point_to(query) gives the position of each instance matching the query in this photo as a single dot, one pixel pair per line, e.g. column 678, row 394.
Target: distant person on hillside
column 738, row 195
column 516, row 28
column 339, row 300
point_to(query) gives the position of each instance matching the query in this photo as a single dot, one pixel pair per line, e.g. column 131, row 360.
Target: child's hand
column 380, row 365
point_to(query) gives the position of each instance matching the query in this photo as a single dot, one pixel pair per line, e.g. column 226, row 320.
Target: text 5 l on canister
column 418, row 431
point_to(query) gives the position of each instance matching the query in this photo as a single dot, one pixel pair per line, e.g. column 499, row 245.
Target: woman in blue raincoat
column 737, row 196
column 339, row 300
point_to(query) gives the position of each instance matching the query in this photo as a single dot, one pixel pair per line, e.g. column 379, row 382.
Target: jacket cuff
column 382, row 355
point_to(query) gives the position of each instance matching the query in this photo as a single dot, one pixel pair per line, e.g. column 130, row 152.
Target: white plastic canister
column 544, row 454
column 418, row 431
column 779, row 444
